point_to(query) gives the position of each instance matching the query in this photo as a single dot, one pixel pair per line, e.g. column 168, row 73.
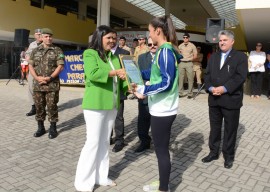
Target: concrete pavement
column 41, row 164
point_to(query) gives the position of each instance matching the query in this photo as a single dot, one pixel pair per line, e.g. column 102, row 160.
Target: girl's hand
column 139, row 96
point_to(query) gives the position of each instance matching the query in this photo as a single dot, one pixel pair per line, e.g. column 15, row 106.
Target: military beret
column 38, row 30
column 47, row 31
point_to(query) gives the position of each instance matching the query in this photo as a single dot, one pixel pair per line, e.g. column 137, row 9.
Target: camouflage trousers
column 49, row 99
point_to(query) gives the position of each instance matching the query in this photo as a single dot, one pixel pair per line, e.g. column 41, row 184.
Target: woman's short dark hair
column 96, row 42
column 166, row 24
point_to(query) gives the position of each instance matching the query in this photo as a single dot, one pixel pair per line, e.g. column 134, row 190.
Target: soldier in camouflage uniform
column 46, row 62
column 32, row 46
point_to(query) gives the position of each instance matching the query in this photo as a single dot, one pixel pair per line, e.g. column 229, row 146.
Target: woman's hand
column 121, row 73
column 133, row 87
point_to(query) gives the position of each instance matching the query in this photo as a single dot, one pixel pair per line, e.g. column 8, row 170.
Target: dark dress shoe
column 118, row 147
column 142, row 148
column 209, row 158
column 228, row 164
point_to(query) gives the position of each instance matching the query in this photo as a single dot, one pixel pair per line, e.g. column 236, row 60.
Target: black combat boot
column 52, row 131
column 41, row 129
column 32, row 111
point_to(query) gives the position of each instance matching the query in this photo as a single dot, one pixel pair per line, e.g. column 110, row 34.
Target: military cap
column 186, row 35
column 141, row 37
column 47, row 31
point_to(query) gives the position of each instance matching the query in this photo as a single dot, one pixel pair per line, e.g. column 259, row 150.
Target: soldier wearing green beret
column 45, row 63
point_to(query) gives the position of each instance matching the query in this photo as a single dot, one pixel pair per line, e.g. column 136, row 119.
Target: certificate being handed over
column 133, row 73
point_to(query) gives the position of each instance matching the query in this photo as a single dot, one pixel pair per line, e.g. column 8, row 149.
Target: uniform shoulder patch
column 61, row 56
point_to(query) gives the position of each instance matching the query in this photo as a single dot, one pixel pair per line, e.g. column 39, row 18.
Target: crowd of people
column 163, row 65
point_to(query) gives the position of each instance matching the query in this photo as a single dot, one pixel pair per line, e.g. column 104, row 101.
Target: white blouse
column 257, row 60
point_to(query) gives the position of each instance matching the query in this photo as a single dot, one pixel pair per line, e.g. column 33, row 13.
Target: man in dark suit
column 119, row 121
column 144, row 118
column 225, row 75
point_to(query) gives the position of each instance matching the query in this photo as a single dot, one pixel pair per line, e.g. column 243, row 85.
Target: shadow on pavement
column 240, row 132
column 185, row 153
column 70, row 104
column 72, row 123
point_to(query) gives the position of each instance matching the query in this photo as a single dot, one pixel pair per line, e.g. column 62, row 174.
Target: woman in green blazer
column 103, row 81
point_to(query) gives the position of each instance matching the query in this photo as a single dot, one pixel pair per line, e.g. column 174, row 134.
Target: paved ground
column 39, row 164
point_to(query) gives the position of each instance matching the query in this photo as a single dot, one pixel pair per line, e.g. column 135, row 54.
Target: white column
column 103, row 12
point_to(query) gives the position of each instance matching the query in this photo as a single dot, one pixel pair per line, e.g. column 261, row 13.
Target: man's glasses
column 151, row 44
column 185, row 37
column 141, row 39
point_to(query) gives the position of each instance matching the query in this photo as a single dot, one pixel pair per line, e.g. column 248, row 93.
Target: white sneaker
column 152, row 187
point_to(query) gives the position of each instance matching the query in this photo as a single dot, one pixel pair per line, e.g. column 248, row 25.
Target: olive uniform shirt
column 45, row 61
column 198, row 64
column 140, row 50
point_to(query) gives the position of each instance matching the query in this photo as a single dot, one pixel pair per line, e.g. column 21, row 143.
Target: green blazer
column 98, row 93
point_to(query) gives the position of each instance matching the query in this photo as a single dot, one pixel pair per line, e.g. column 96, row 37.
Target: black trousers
column 231, row 122
column 269, row 83
column 144, row 120
column 119, row 125
column 161, row 132
column 256, row 83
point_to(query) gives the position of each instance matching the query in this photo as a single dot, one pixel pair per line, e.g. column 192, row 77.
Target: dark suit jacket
column 232, row 76
column 117, row 52
column 144, row 63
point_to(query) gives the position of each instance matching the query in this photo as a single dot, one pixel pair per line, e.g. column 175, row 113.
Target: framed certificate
column 133, row 73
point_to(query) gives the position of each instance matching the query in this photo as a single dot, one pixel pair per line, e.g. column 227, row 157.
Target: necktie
column 223, row 57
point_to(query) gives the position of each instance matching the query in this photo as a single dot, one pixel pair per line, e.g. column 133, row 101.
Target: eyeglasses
column 141, row 39
column 259, row 45
column 185, row 37
column 151, row 44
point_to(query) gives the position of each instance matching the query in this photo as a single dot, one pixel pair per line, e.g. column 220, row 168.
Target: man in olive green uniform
column 46, row 62
column 197, row 67
column 189, row 52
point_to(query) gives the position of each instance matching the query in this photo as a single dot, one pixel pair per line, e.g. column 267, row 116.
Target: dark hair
column 96, row 42
column 166, row 24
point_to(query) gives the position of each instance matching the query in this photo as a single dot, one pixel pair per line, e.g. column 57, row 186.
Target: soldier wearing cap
column 141, row 48
column 46, row 62
column 189, row 52
column 34, row 44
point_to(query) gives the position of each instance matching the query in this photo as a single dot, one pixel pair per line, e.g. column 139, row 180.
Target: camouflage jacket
column 44, row 62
